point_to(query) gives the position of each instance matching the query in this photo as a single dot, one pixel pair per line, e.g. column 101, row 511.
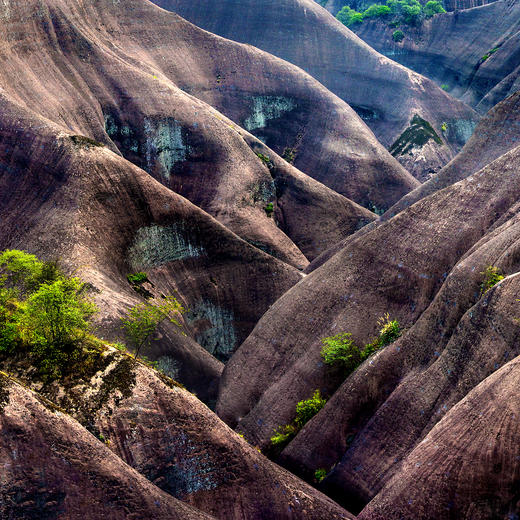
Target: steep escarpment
column 54, row 467
column 472, row 53
column 106, row 218
column 131, row 422
column 385, row 94
column 83, row 85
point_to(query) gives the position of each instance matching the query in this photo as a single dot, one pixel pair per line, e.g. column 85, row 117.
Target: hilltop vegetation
column 394, row 13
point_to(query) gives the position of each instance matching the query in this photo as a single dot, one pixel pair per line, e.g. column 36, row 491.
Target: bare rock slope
column 385, row 94
column 473, row 53
column 83, row 84
column 424, row 267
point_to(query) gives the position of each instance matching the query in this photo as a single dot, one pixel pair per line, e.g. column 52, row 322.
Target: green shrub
column 264, row 158
column 269, row 208
column 55, row 318
column 492, row 276
column 390, row 330
column 489, row 53
column 289, row 154
column 320, row 474
column 42, row 311
column 340, row 352
column 349, row 17
column 137, row 278
column 283, row 435
column 445, row 87
column 308, row 408
column 398, row 36
column 305, row 411
column 377, row 11
column 432, row 8
column 444, row 127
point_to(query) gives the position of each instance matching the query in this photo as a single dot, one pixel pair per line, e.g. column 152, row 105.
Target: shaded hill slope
column 121, row 63
column 384, row 93
column 54, row 467
column 466, row 457
column 107, row 218
column 473, row 53
column 428, row 279
column 497, row 133
column 132, row 416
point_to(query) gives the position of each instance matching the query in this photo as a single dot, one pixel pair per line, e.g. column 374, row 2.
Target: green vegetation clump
column 264, row 158
column 376, row 11
column 390, row 330
column 137, row 278
column 305, row 411
column 489, row 53
column 141, row 322
column 340, row 352
column 396, row 12
column 42, row 311
column 432, row 8
column 445, row 87
column 492, row 276
column 85, row 142
column 398, row 36
column 269, row 208
column 444, row 127
column 349, row 17
column 416, row 135
column 320, row 474
column 289, row 154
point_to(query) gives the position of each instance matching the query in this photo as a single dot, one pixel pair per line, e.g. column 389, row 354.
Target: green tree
column 377, row 11
column 54, row 319
column 141, row 322
column 398, row 36
column 349, row 17
column 492, row 275
column 432, row 8
column 308, row 408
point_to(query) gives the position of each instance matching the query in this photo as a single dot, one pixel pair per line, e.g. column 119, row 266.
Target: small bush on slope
column 141, row 322
column 305, row 411
column 492, row 276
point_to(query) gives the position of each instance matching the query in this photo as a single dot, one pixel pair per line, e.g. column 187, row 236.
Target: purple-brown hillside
column 112, row 72
column 54, row 468
column 497, row 133
column 405, row 262
column 467, row 467
column 473, row 53
column 385, row 94
column 64, row 197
